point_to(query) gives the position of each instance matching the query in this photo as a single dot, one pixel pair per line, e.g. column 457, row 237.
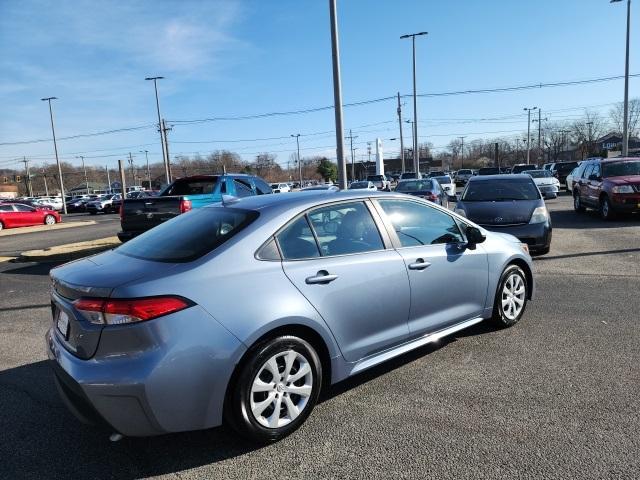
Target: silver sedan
column 242, row 313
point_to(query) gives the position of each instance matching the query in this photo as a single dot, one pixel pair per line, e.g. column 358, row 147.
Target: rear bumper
column 537, row 235
column 169, row 379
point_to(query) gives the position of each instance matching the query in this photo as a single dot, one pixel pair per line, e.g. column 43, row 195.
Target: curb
column 45, row 228
column 70, row 251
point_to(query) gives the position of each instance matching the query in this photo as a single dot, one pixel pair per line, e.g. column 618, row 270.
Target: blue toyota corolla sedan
column 241, row 313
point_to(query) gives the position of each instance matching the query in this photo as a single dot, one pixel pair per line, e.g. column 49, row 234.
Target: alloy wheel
column 513, row 296
column 50, row 220
column 281, row 389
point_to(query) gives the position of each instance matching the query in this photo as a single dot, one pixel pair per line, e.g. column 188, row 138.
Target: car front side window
column 419, row 224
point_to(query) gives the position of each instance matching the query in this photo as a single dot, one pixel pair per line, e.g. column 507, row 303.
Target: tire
column 91, row 212
column 606, row 213
column 544, row 251
column 577, row 203
column 512, row 280
column 49, row 220
column 1, row 226
column 253, row 394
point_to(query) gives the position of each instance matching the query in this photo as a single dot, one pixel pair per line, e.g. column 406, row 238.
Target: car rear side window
column 243, row 188
column 296, row 240
column 262, row 187
column 189, row 236
column 6, row 208
column 192, row 187
column 419, row 224
column 344, row 229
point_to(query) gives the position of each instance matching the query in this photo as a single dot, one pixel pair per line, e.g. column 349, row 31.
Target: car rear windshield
column 523, row 168
column 464, row 171
column 414, row 186
column 565, row 167
column 444, row 179
column 356, row 185
column 489, row 171
column 540, row 173
column 375, row 178
column 192, row 186
column 621, row 169
column 189, row 236
column 501, row 190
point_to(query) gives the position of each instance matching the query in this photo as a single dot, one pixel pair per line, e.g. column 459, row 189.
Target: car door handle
column 419, row 264
column 321, row 277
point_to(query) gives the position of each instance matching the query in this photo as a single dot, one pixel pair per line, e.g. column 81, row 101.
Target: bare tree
column 617, row 116
column 587, row 130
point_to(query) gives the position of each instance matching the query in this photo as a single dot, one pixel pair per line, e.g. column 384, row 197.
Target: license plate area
column 61, row 320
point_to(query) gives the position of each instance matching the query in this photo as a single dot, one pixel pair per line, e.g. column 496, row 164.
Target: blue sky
column 235, row 58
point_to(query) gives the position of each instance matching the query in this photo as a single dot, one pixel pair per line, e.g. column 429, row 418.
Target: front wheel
column 605, row 209
column 49, row 220
column 511, row 297
column 275, row 390
column 1, row 226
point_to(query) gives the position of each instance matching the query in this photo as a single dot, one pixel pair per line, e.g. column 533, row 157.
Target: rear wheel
column 49, row 220
column 1, row 226
column 275, row 390
column 511, row 297
column 577, row 203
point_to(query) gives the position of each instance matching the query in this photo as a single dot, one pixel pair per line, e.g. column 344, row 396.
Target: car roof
column 305, row 199
column 484, row 178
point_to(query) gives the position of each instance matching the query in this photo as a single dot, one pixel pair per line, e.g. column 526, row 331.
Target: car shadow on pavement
column 587, row 254
column 31, row 269
column 590, row 219
column 42, row 439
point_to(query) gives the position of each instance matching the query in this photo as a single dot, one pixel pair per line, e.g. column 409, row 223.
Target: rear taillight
column 185, row 206
column 432, row 197
column 117, row 311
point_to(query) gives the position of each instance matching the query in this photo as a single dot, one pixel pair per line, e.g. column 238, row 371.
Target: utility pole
column 165, row 156
column 539, row 129
column 528, row 110
column 46, row 187
column 416, row 153
column 462, row 152
column 497, row 159
column 55, row 148
column 589, row 125
column 353, row 169
column 133, row 177
column 165, row 129
column 123, row 183
column 86, row 180
column 625, row 127
column 108, row 178
column 27, row 176
column 146, row 155
column 337, row 95
column 401, row 139
column 297, row 136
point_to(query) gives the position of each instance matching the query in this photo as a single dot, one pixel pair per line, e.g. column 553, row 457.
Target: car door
column 594, row 185
column 337, row 258
column 581, row 183
column 26, row 215
column 8, row 215
column 448, row 280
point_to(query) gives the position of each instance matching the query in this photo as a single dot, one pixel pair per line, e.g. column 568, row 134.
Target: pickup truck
column 138, row 215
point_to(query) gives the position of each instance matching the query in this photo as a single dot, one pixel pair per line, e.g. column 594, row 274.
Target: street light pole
column 528, row 110
column 401, row 139
column 55, row 148
column 146, row 155
column 416, row 153
column 462, row 152
column 165, row 157
column 625, row 127
column 337, row 95
column 297, row 135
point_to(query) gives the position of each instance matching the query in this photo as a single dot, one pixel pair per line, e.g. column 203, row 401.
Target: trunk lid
column 510, row 212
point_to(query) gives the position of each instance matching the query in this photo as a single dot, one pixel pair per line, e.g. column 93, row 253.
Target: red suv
column 609, row 185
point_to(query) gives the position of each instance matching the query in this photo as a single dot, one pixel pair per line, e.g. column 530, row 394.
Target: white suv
column 280, row 187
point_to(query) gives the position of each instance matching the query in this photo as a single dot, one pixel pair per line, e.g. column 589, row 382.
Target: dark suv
column 560, row 170
column 609, row 185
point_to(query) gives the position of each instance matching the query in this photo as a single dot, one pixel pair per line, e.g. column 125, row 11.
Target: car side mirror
column 475, row 236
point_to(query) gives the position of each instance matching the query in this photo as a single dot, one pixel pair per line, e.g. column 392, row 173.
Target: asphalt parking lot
column 556, row 396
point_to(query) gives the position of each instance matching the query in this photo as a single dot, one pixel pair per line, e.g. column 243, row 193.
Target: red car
column 20, row 215
column 609, row 185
